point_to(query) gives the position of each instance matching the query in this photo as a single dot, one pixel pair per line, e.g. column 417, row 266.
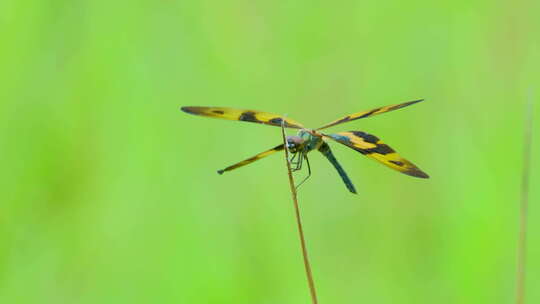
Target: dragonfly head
column 294, row 143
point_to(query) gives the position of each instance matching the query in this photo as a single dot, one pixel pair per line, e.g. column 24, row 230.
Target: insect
column 308, row 140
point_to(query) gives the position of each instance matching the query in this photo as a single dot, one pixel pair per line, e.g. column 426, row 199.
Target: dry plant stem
column 299, row 222
column 522, row 245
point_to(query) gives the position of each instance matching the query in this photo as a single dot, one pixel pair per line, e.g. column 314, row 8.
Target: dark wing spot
column 344, row 119
column 369, row 113
column 383, row 149
column 190, row 110
column 380, row 149
column 277, row 121
column 399, row 106
column 397, row 163
column 249, row 116
column 218, row 112
column 416, row 173
column 363, row 151
column 278, row 148
column 372, row 139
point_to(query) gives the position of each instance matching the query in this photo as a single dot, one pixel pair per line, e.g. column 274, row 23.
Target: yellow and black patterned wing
column 371, row 146
column 252, row 159
column 369, row 113
column 244, row 115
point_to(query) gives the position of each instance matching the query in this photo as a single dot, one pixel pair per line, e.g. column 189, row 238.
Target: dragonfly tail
column 325, row 150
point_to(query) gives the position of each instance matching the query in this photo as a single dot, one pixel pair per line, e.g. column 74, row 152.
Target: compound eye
column 294, row 142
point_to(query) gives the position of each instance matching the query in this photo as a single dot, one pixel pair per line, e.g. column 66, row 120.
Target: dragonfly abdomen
column 325, row 150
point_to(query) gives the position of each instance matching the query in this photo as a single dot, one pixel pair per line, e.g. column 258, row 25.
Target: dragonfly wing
column 244, row 115
column 252, row 159
column 369, row 113
column 372, row 147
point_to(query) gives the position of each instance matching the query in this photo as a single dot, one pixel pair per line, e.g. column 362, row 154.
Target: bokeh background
column 110, row 195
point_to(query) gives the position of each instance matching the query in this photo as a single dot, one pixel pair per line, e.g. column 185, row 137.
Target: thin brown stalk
column 522, row 243
column 307, row 265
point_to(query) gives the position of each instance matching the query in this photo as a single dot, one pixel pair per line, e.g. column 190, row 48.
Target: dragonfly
column 308, row 140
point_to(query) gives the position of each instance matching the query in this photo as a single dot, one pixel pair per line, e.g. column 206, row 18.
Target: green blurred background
column 110, row 193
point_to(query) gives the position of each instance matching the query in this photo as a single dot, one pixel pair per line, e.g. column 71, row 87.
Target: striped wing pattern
column 369, row 113
column 371, row 146
column 244, row 115
column 252, row 159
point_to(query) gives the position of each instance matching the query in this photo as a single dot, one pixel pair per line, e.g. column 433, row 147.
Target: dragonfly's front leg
column 309, row 172
column 292, row 160
column 299, row 161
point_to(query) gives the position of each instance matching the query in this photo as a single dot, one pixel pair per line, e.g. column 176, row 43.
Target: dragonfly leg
column 299, row 162
column 296, row 163
column 292, row 160
column 309, row 172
